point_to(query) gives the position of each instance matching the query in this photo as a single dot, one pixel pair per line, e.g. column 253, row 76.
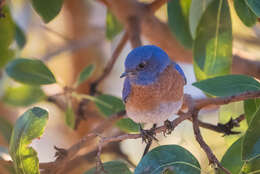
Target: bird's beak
column 123, row 74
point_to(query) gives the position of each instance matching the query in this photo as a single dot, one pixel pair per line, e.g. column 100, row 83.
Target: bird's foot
column 148, row 135
column 169, row 128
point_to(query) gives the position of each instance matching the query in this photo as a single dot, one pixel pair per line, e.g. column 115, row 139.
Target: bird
column 153, row 85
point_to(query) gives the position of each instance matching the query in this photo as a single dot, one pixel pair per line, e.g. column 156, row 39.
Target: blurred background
column 76, row 38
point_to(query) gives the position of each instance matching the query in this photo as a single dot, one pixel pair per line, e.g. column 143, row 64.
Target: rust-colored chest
column 167, row 88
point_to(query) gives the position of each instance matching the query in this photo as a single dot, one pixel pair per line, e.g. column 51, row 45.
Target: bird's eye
column 141, row 65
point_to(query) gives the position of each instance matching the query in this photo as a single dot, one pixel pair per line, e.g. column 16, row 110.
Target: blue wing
column 126, row 89
column 178, row 68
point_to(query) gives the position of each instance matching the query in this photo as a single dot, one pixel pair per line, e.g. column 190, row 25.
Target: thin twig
column 133, row 30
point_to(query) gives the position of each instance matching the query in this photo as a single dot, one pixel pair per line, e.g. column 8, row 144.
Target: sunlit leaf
column 250, row 107
column 85, row 74
column 251, row 141
column 47, row 9
column 197, row 8
column 178, row 19
column 255, row 6
column 70, row 116
column 5, row 128
column 172, row 157
column 28, row 127
column 245, row 13
column 212, row 47
column 20, row 37
column 30, row 71
column 112, row 167
column 23, row 95
column 109, row 105
column 228, row 85
column 113, row 26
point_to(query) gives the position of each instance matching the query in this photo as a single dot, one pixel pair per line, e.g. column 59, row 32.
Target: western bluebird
column 153, row 87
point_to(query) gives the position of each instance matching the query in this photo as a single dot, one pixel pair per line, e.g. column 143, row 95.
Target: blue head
column 144, row 64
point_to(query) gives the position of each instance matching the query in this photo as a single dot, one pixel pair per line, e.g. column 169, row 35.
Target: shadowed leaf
column 255, row 6
column 113, row 26
column 85, row 74
column 250, row 107
column 245, row 13
column 20, row 37
column 5, row 128
column 112, row 167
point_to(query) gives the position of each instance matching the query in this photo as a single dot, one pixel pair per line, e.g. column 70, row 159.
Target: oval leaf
column 113, row 26
column 28, row 127
column 109, row 105
column 197, row 8
column 20, row 37
column 23, row 95
column 30, row 71
column 251, row 167
column 168, row 157
column 178, row 19
column 228, row 85
column 212, row 47
column 112, row 167
column 251, row 141
column 250, row 107
column 85, row 74
column 47, row 9
column 255, row 6
column 244, row 12
column 232, row 158
column 7, row 27
column 5, row 128
column 70, row 116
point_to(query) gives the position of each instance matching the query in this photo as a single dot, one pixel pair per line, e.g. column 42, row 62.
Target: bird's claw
column 169, row 128
column 148, row 135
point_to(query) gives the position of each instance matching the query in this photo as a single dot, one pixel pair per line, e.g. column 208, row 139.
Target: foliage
column 202, row 26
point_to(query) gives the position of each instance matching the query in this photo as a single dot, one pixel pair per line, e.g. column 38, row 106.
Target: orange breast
column 167, row 88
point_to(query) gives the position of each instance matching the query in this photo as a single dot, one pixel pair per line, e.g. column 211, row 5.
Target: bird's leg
column 169, row 127
column 148, row 136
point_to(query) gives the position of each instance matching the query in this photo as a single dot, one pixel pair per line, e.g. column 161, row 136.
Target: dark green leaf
column 23, row 95
column 112, row 167
column 5, row 128
column 70, row 116
column 212, row 47
column 7, row 28
column 255, row 6
column 250, row 107
column 109, row 105
column 251, row 167
column 47, row 9
column 20, row 37
column 228, row 85
column 172, row 157
column 197, row 8
column 30, row 71
column 85, row 74
column 28, row 127
column 178, row 19
column 245, row 13
column 251, row 141
column 113, row 26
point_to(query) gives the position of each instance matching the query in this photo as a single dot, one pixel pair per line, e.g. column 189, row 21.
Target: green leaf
column 251, row 141
column 255, row 6
column 172, row 157
column 250, row 107
column 228, row 85
column 233, row 110
column 197, row 8
column 23, row 95
column 47, row 9
column 112, row 167
column 30, row 71
column 70, row 116
column 85, row 74
column 113, row 26
column 5, row 128
column 178, row 19
column 232, row 158
column 28, row 127
column 109, row 105
column 245, row 13
column 20, row 37
column 7, row 27
column 233, row 162
column 212, row 47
